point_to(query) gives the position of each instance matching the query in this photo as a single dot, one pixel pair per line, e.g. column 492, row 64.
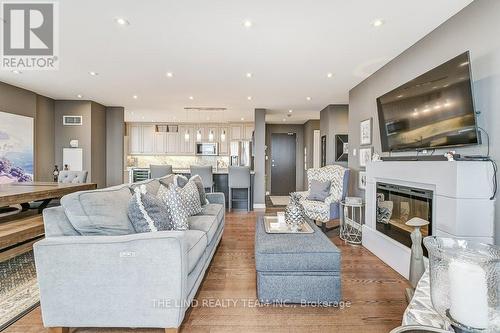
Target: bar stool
column 239, row 178
column 158, row 171
column 206, row 174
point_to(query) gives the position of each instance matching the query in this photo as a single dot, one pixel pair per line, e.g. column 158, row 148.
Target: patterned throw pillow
column 175, row 206
column 201, row 189
column 147, row 213
column 182, row 181
column 190, row 197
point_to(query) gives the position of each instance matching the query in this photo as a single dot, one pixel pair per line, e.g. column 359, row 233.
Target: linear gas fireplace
column 396, row 205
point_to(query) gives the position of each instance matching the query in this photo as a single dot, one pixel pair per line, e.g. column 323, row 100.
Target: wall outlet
column 354, row 152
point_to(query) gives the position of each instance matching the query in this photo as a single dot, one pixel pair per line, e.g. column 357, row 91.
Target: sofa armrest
column 136, row 280
column 216, row 198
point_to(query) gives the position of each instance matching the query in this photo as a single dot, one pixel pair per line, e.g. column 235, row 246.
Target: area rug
column 18, row 288
column 279, row 200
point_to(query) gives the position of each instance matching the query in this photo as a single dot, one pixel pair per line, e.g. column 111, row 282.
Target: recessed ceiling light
column 247, row 23
column 284, row 119
column 169, row 74
column 464, row 64
column 79, row 96
column 242, row 118
column 377, row 23
column 400, row 96
column 329, row 75
column 122, row 21
column 248, row 75
column 191, row 97
column 15, row 71
column 308, row 98
column 93, row 73
column 135, row 97
column 249, row 98
column 290, row 111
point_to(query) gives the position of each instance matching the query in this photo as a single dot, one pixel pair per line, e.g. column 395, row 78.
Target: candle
column 468, row 294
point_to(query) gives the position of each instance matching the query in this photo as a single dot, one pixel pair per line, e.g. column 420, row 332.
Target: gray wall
column 98, row 144
column 115, row 132
column 23, row 102
column 475, row 28
column 334, row 120
column 44, row 139
column 299, row 160
column 64, row 134
column 309, row 128
column 259, row 159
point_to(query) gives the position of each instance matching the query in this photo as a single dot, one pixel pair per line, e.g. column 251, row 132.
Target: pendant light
column 186, row 134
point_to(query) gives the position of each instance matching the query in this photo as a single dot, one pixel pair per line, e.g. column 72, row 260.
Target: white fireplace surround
column 461, row 205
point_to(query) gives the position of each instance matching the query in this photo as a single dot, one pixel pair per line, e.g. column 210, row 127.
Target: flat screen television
column 434, row 110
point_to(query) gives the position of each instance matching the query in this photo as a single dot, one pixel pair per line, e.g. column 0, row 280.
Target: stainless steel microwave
column 210, row 148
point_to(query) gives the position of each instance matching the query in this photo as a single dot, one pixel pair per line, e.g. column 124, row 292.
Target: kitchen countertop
column 184, row 171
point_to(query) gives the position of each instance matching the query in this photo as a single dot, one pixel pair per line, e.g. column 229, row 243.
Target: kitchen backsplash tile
column 178, row 162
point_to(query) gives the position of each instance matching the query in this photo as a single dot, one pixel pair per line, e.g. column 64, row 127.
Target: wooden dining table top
column 18, row 193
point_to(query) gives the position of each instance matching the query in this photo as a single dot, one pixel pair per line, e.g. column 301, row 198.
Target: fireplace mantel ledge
column 461, row 205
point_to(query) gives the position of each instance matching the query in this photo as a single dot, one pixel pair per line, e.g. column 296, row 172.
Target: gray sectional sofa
column 93, row 271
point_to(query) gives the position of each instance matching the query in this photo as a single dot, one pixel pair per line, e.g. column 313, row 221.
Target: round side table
column 351, row 221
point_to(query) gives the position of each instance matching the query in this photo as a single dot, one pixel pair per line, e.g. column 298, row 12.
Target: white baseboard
column 259, row 206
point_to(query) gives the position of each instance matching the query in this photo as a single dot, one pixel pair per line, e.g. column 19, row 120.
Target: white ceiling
column 289, row 50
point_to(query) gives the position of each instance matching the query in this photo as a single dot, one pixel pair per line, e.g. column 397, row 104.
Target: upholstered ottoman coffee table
column 297, row 268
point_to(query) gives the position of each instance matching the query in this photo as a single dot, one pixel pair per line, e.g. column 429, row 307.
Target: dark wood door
column 283, row 163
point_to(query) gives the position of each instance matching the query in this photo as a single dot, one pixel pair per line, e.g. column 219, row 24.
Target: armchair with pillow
column 327, row 186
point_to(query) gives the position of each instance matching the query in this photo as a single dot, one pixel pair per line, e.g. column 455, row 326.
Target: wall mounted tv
column 434, row 110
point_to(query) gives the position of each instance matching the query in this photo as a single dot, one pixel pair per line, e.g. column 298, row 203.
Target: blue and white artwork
column 16, row 148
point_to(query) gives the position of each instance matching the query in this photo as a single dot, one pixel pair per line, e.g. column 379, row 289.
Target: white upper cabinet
column 248, row 131
column 173, row 146
column 160, row 143
column 236, row 132
column 223, row 138
column 135, row 139
column 148, row 139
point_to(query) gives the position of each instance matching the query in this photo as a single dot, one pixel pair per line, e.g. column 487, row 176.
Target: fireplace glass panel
column 396, row 205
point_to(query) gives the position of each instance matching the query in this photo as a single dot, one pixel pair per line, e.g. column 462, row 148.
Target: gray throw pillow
column 175, row 206
column 147, row 212
column 319, row 190
column 180, row 180
column 152, row 186
column 201, row 190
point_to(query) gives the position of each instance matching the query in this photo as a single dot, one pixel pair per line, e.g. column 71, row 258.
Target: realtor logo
column 29, row 36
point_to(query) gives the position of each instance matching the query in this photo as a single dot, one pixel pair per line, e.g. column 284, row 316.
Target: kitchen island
column 221, row 180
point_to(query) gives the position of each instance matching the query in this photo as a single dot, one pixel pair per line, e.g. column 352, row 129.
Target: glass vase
column 465, row 282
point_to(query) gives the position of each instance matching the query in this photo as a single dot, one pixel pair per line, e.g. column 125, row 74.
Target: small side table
column 351, row 222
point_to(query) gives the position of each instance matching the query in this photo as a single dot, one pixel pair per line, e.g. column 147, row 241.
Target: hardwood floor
column 376, row 294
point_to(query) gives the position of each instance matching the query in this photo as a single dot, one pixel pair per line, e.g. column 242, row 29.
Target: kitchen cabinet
column 248, row 131
column 212, row 134
column 223, row 144
column 186, row 146
column 173, row 146
column 160, row 143
column 135, row 139
column 148, row 139
column 236, row 132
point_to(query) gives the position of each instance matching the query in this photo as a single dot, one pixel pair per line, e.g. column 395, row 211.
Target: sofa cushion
column 214, row 210
column 205, row 223
column 147, row 212
column 99, row 212
column 152, row 186
column 175, row 206
column 196, row 243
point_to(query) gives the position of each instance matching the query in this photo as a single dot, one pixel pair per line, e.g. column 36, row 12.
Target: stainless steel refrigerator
column 241, row 153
